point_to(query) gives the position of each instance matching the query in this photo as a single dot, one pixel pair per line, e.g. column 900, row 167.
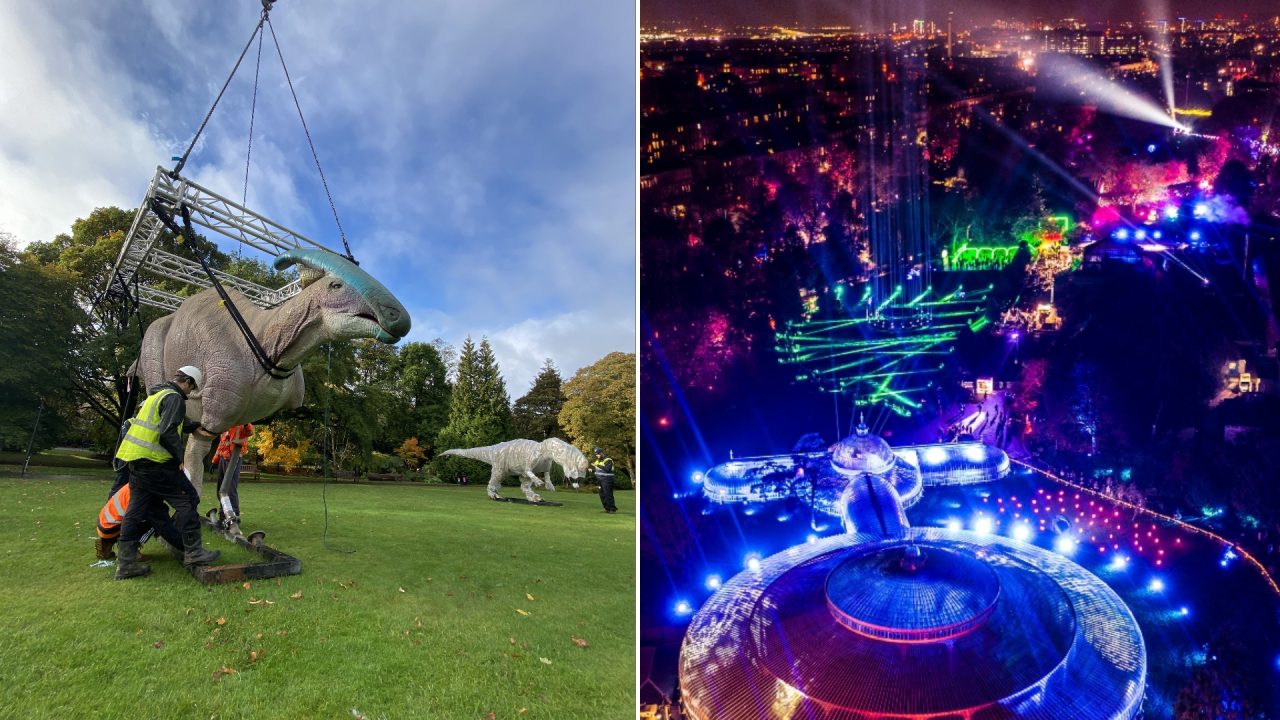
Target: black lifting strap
column 185, row 231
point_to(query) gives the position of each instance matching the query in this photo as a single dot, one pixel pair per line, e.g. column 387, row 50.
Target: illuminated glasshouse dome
column 930, row 625
column 863, row 452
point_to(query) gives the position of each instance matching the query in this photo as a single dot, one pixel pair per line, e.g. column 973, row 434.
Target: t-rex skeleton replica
column 527, row 458
column 338, row 301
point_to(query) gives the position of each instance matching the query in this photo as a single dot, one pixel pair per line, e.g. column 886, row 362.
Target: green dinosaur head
column 352, row 295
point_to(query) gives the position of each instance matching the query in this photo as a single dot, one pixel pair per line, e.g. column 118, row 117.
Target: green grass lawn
column 450, row 606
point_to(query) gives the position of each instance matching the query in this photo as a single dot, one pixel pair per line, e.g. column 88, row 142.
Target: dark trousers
column 151, row 487
column 606, row 492
column 229, row 481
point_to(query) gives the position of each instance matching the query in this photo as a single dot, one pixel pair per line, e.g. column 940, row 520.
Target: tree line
column 369, row 407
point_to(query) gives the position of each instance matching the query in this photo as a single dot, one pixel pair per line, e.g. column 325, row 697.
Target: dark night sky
column 968, row 13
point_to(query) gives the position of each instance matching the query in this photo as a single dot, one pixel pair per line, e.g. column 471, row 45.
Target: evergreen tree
column 536, row 416
column 479, row 411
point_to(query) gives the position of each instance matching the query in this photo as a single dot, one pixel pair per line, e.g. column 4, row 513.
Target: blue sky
column 481, row 153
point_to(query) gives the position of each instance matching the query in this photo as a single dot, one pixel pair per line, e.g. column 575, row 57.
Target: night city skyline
column 969, row 14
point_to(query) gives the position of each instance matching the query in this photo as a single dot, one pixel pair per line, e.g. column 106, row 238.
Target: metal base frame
column 275, row 563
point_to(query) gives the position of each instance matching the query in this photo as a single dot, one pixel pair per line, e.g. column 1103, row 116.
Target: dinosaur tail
column 483, row 454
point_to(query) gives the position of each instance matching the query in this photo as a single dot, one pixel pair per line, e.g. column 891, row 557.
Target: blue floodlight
column 811, row 539
column 1119, row 562
column 683, row 607
column 975, row 453
column 1022, row 532
column 1200, row 210
column 1184, row 611
column 697, row 477
column 983, row 525
column 713, row 582
column 1195, row 235
column 954, row 525
column 1151, row 148
column 1156, row 585
column 1171, row 212
column 1157, row 234
column 753, row 562
column 935, row 456
column 1065, row 544
column 1140, row 234
column 1121, row 234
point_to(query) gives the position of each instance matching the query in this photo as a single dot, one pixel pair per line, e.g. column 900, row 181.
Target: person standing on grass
column 229, row 458
column 602, row 467
column 153, row 447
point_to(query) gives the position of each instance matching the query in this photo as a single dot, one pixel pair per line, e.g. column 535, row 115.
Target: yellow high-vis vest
column 142, row 442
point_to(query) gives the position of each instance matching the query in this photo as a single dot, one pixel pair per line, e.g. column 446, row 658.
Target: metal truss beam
column 141, row 262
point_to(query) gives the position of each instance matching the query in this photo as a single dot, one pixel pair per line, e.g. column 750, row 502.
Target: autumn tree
column 600, row 407
column 411, row 453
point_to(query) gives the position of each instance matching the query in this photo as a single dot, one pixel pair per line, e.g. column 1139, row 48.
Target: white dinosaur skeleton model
column 338, row 301
column 525, row 459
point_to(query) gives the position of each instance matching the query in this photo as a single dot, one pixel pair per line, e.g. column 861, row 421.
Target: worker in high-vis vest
column 153, row 449
column 111, row 516
column 602, row 468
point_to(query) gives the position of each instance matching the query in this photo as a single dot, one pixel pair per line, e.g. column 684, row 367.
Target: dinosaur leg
column 495, row 482
column 197, row 447
column 527, row 478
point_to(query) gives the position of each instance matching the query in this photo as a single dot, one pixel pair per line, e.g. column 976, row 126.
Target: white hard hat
column 193, row 373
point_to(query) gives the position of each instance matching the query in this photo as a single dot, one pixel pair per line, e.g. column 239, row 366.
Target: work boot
column 196, row 554
column 102, row 548
column 127, row 563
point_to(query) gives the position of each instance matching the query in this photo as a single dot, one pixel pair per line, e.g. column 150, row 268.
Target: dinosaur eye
column 335, row 285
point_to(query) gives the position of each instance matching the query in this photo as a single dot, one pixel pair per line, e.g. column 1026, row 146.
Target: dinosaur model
column 338, row 301
column 527, row 458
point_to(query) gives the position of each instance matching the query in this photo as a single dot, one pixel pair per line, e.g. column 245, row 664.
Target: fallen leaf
column 258, row 636
column 139, row 633
column 522, row 711
column 297, row 595
column 491, row 716
column 522, row 612
column 513, row 640
column 158, row 644
column 544, row 661
column 333, row 597
column 221, row 621
column 208, row 646
column 528, row 595
column 246, row 586
column 224, row 671
column 578, row 641
column 417, row 621
column 254, row 655
column 401, row 589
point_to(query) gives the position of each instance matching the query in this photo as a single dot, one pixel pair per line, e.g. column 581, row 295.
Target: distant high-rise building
column 950, row 17
column 1182, row 25
column 1162, row 27
column 917, row 28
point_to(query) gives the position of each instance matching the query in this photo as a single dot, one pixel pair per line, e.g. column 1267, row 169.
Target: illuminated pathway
column 1169, row 519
